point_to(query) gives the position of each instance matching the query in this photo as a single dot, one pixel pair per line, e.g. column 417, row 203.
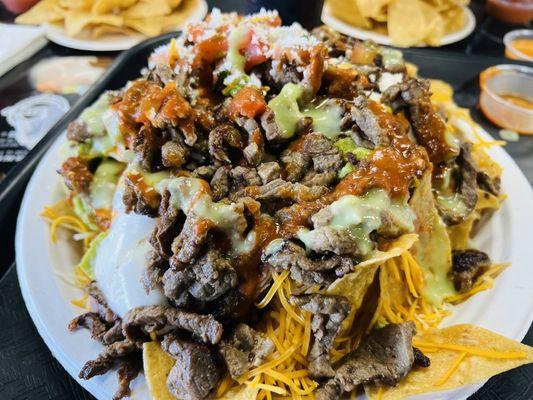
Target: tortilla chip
column 433, row 250
column 80, row 5
column 375, row 9
column 435, row 25
column 473, row 368
column 413, row 22
column 109, row 6
column 454, row 19
column 174, row 3
column 242, row 392
column 348, row 11
column 157, row 365
column 43, row 11
column 354, row 287
column 146, row 26
column 148, row 9
column 75, row 21
column 98, row 31
column 155, row 26
column 397, row 247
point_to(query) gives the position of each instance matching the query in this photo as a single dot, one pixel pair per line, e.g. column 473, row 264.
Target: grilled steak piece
column 278, row 189
column 428, row 126
column 420, row 359
column 77, row 131
column 90, row 321
column 254, row 150
column 467, row 266
column 76, row 174
column 244, row 176
column 466, row 188
column 313, row 178
column 99, row 304
column 488, row 184
column 385, row 356
column 190, row 240
column 272, row 130
column 269, row 171
column 223, row 138
column 245, row 348
column 107, row 358
column 324, row 155
column 196, row 374
column 287, row 255
column 328, row 314
column 139, row 322
column 174, row 154
column 127, row 372
column 206, row 279
column 295, row 164
column 369, row 123
column 220, row 184
column 168, row 227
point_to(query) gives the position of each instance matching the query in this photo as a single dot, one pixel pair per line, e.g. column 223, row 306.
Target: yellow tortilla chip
column 242, row 392
column 148, row 9
column 146, row 26
column 174, row 3
column 397, row 247
column 354, row 287
column 157, row 365
column 80, row 5
column 433, row 250
column 43, row 11
column 348, row 11
column 75, row 21
column 104, row 30
column 155, row 26
column 109, row 6
column 454, row 19
column 479, row 353
column 375, row 9
column 413, row 22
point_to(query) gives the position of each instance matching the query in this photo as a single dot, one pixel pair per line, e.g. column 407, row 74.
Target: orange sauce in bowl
column 524, row 46
column 517, row 100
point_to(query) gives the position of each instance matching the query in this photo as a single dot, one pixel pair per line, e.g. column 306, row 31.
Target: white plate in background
column 343, row 27
column 113, row 42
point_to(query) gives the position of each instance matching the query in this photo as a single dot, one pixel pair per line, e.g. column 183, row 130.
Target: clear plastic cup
column 499, row 82
column 511, row 51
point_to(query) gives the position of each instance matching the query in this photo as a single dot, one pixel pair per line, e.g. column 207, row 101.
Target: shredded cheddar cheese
column 452, row 368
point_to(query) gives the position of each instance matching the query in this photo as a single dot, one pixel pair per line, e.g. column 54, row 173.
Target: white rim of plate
column 35, row 297
column 329, row 19
column 113, row 42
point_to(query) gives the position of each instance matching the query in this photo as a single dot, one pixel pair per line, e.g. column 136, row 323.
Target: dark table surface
column 27, row 368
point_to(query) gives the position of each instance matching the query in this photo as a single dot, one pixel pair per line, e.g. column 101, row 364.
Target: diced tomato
column 210, row 50
column 248, row 102
column 195, row 31
column 254, row 53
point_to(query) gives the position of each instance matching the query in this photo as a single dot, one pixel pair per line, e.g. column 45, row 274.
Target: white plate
column 359, row 33
column 112, row 42
column 45, row 269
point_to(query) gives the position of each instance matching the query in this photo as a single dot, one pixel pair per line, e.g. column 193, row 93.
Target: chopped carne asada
column 258, row 202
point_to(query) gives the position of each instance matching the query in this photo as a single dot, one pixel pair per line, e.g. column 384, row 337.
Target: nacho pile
column 271, row 213
column 96, row 18
column 406, row 22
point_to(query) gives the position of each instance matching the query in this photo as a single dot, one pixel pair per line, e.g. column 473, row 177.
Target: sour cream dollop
column 121, row 260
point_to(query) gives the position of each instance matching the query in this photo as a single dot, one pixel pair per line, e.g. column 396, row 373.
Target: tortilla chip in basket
column 460, row 355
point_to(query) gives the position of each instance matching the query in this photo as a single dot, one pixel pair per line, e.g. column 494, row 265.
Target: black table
column 27, row 368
